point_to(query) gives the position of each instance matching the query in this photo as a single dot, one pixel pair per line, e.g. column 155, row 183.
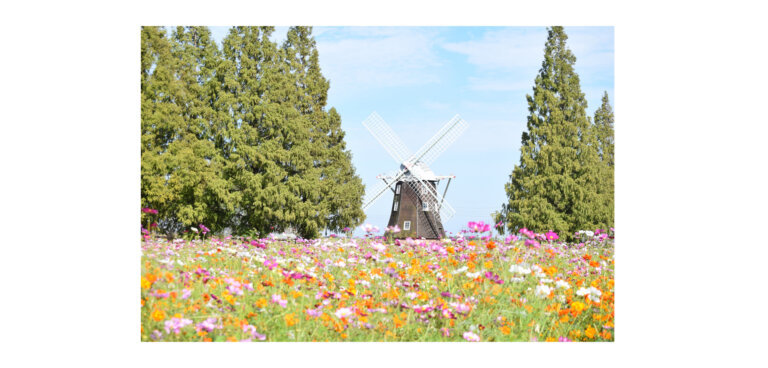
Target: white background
column 690, row 186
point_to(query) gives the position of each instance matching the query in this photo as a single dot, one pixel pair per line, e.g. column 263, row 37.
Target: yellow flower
column 578, row 306
column 505, row 330
column 488, row 264
column 145, row 284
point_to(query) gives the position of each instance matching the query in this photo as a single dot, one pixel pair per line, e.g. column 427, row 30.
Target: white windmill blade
column 387, row 138
column 436, row 145
column 436, row 202
column 374, row 194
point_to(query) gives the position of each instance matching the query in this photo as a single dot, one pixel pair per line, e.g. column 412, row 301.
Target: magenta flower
column 446, row 332
column 186, row 293
column 149, row 211
column 551, row 235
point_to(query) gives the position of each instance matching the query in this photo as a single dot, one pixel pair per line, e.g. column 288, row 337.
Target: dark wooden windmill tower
column 417, row 209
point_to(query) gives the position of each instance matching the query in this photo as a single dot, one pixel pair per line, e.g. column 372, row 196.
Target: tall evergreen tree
column 556, row 184
column 240, row 137
column 254, row 133
column 160, row 120
column 605, row 140
column 331, row 179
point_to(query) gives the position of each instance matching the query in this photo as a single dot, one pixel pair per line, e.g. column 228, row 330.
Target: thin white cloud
column 354, row 58
column 503, row 48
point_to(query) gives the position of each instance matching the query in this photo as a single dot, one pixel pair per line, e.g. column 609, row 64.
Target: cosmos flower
column 551, row 235
column 520, row 270
column 276, row 298
column 175, row 324
column 471, row 336
column 542, row 291
column 343, row 312
column 560, row 284
column 208, row 325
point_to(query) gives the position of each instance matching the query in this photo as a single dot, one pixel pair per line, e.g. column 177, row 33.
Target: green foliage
column 239, row 138
column 605, row 140
column 559, row 183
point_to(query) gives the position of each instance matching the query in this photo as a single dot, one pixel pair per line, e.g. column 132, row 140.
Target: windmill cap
column 421, row 171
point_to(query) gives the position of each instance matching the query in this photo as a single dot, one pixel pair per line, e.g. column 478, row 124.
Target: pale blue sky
column 418, row 78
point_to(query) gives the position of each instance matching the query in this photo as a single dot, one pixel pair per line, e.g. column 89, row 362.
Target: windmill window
column 424, row 206
column 397, row 189
column 407, row 225
column 395, row 208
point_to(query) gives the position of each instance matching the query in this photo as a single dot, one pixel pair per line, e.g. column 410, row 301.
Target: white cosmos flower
column 517, row 279
column 546, row 281
column 194, row 229
column 537, row 270
column 560, row 284
column 542, row 291
column 460, row 270
column 473, row 275
column 519, row 270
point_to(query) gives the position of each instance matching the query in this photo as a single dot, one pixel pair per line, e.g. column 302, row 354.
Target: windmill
column 418, row 209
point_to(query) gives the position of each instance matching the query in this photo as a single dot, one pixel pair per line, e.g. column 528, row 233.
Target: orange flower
column 491, row 244
column 398, row 322
column 550, row 339
column 290, row 319
column 590, row 332
column 450, row 250
column 488, row 264
column 261, row 303
column 505, row 330
column 158, row 315
column 587, row 257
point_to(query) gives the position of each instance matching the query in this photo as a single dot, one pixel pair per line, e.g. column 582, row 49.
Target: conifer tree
column 240, row 137
column 605, row 140
column 556, row 184
column 160, row 120
column 259, row 134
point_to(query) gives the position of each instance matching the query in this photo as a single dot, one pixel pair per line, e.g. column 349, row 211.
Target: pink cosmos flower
column 208, row 325
column 252, row 331
column 471, row 336
column 551, row 235
column 446, row 332
column 344, row 312
column 314, row 312
column 509, row 239
column 176, row 324
column 276, row 298
column 186, row 293
column 528, row 233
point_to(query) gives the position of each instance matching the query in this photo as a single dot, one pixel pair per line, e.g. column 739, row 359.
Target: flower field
column 525, row 287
